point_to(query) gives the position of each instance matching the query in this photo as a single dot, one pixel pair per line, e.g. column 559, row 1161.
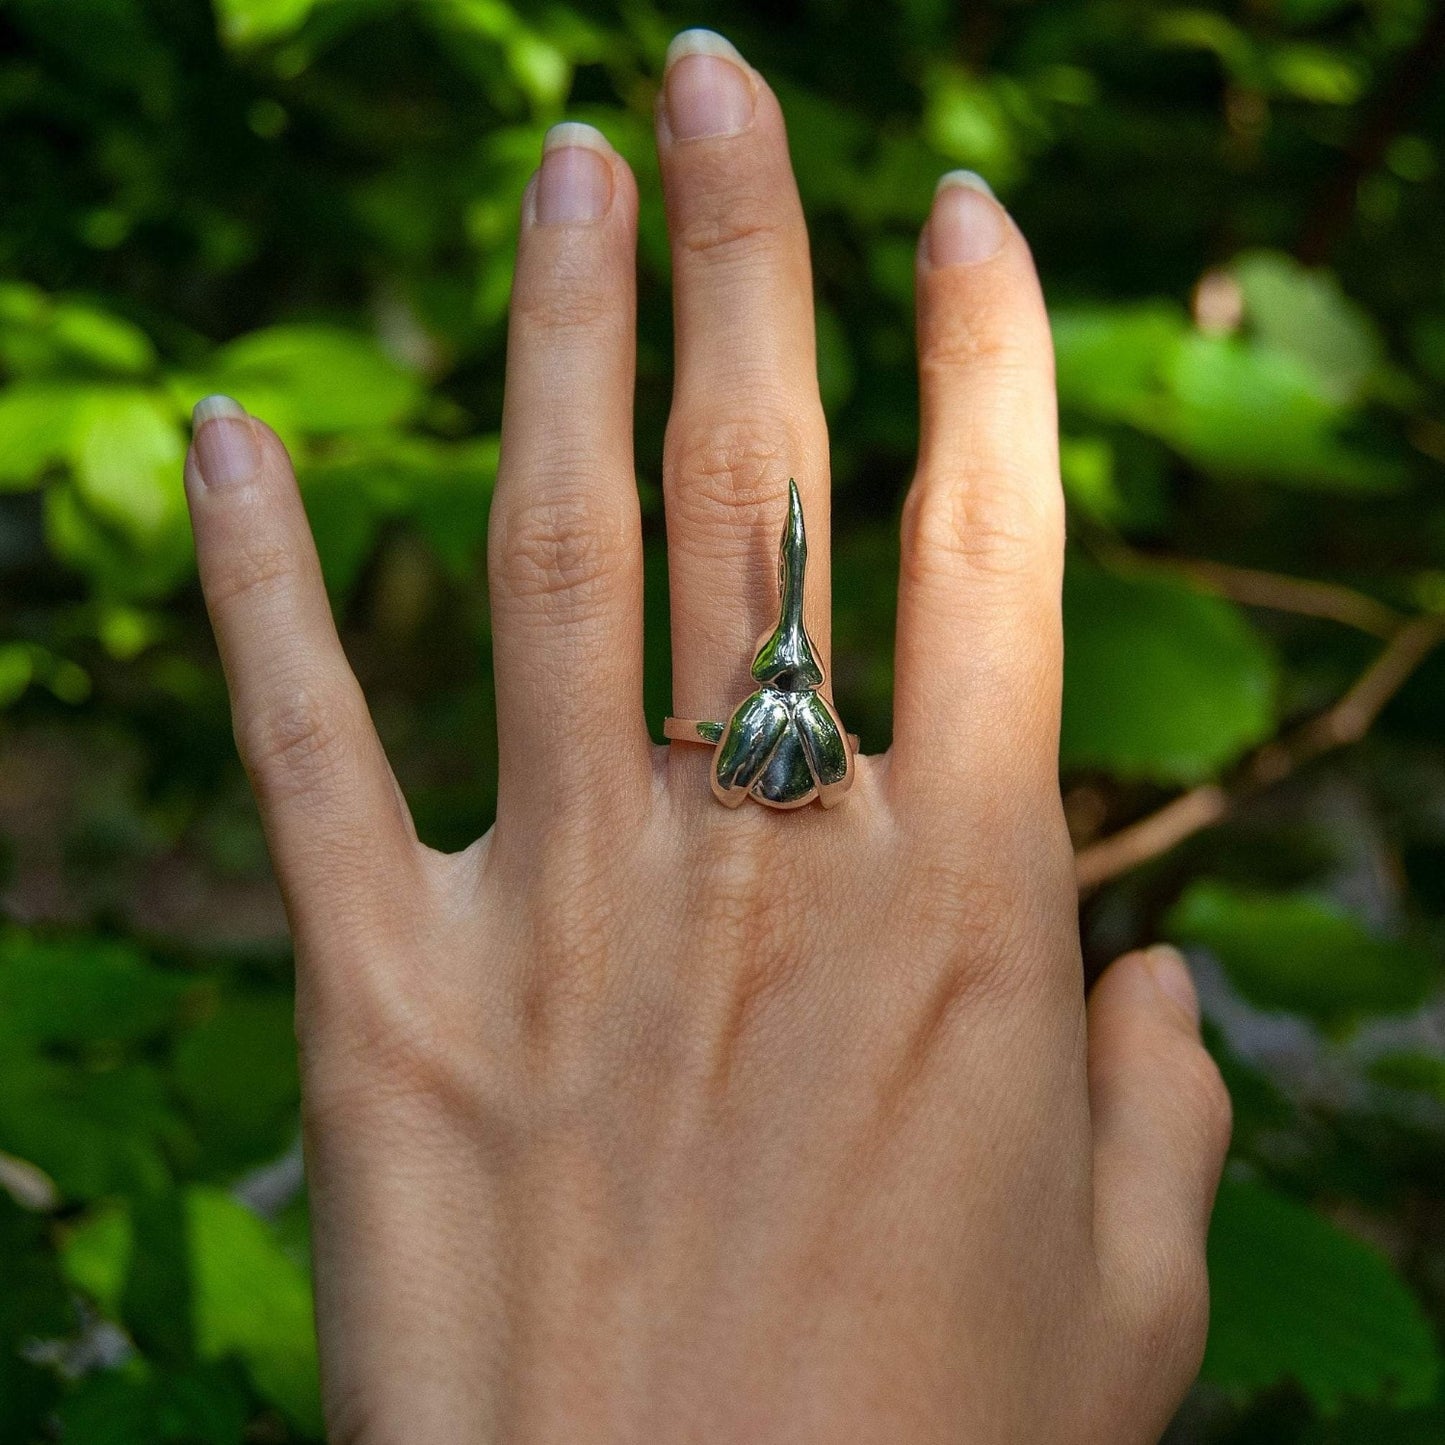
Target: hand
column 648, row 1120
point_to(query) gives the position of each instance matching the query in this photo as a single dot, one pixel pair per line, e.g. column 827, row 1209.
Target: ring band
column 784, row 745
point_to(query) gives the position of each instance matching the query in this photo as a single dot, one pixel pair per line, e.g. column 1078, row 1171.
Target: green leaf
column 17, row 671
column 1302, row 952
column 1254, row 409
column 249, row 1300
column 968, row 120
column 101, row 340
column 450, row 499
column 1305, row 314
column 1317, row 74
column 35, row 424
column 236, row 1071
column 255, row 22
column 1250, row 412
column 254, row 1302
column 1413, row 1072
column 1161, row 682
column 43, row 336
column 95, row 1254
column 443, row 488
column 116, row 564
column 33, row 1305
column 84, row 990
column 1086, row 467
column 314, row 379
column 1294, row 1298
column 95, row 1129
column 1111, row 359
column 140, row 1404
column 127, row 452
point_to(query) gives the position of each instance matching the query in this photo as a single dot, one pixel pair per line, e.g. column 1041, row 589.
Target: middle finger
column 746, row 413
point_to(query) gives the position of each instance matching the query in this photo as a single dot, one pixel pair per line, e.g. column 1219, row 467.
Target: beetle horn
column 787, row 659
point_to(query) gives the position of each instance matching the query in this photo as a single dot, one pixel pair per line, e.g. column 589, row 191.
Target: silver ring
column 784, row 745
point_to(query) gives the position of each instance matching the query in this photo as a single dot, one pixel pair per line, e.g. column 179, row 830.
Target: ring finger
column 746, row 413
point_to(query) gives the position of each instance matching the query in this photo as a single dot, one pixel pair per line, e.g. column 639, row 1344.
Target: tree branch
column 1306, row 597
column 1344, row 722
column 1275, row 591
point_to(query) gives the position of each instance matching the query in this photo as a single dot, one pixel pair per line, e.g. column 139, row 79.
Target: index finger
column 340, row 836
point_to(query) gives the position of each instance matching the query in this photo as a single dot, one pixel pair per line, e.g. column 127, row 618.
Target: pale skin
column 648, row 1120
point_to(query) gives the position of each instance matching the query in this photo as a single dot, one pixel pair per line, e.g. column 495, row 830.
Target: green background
column 312, row 204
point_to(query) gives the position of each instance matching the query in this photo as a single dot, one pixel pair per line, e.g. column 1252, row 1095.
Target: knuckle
column 993, row 520
column 725, row 473
column 559, row 550
column 566, row 304
column 295, row 741
column 732, row 231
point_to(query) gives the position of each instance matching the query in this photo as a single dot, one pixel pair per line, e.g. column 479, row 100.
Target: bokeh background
column 311, row 204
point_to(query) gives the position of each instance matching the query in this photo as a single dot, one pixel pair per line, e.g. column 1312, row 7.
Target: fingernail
column 224, row 443
column 1173, row 979
column 967, row 225
column 708, row 90
column 575, row 180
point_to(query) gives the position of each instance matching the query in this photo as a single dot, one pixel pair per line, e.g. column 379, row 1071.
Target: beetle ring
column 784, row 745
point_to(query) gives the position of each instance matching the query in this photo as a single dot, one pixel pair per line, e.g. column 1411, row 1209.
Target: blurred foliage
column 311, row 204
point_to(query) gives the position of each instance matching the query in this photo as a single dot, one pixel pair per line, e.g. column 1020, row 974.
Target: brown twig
column 1345, row 721
column 1303, row 596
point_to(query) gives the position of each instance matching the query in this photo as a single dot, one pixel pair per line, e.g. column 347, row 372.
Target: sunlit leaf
column 314, row 378
column 968, row 122
column 1305, row 314
column 249, row 1300
column 115, row 563
column 96, row 1254
column 127, row 451
column 41, row 336
column 35, row 423
column 1242, row 408
column 252, row 22
column 1252, row 412
column 1086, row 466
column 254, row 1302
column 1315, row 73
column 1111, row 359
column 1195, row 28
column 108, row 343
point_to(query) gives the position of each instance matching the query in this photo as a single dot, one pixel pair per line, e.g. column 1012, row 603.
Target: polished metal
column 784, row 745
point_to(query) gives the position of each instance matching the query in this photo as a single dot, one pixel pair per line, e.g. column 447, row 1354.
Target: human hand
column 644, row 1119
